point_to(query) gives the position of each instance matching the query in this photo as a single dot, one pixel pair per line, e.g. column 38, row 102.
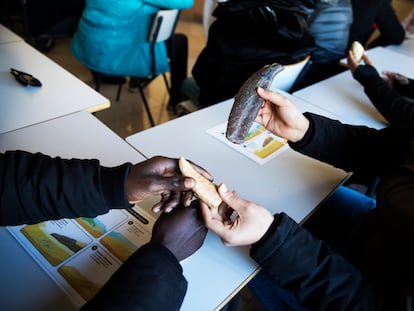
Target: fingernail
column 223, row 188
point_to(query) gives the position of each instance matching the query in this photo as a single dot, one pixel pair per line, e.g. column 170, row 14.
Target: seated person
column 245, row 36
column 112, row 39
column 329, row 25
column 371, row 16
column 390, row 95
column 36, row 187
column 375, row 271
column 238, row 45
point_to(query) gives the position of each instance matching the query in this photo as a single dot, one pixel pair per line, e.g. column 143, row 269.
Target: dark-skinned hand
column 161, row 176
column 181, row 231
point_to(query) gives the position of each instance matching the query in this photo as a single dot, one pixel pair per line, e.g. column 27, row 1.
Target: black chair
column 99, row 78
column 46, row 20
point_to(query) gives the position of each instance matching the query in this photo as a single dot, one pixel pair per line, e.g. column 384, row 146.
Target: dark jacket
column 318, row 278
column 245, row 36
column 36, row 187
column 394, row 107
column 381, row 266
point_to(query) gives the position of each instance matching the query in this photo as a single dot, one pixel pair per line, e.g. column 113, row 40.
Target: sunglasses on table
column 24, row 78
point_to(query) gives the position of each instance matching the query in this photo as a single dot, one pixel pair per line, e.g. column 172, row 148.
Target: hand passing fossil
column 204, row 189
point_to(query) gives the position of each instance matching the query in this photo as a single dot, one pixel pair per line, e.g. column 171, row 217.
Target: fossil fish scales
column 247, row 103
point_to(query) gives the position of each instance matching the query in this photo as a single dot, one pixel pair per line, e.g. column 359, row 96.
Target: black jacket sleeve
column 395, row 108
column 354, row 148
column 36, row 187
column 405, row 89
column 151, row 279
column 319, row 278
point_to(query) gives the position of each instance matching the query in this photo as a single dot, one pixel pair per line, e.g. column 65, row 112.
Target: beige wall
column 403, row 7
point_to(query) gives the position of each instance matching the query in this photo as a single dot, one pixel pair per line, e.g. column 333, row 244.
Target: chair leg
column 167, row 85
column 118, row 93
column 144, row 99
column 97, row 80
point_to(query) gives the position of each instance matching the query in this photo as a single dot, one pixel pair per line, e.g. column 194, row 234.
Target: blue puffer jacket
column 112, row 36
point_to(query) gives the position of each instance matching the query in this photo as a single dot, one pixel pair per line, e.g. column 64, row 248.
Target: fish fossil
column 247, row 103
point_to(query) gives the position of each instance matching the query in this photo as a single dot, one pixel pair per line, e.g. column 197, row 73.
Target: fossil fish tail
column 247, row 103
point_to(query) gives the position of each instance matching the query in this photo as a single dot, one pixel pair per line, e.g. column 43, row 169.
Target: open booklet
column 81, row 254
column 260, row 145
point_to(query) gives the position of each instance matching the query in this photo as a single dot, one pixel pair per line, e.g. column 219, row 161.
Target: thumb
column 275, row 98
column 230, row 198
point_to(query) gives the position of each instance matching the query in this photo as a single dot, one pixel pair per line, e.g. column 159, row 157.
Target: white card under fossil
column 260, row 145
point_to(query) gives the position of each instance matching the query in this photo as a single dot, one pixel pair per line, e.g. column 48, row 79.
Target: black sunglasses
column 24, row 78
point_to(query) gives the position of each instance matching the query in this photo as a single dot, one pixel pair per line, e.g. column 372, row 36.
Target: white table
column 61, row 92
column 345, row 98
column 406, row 48
column 24, row 285
column 291, row 182
column 8, row 36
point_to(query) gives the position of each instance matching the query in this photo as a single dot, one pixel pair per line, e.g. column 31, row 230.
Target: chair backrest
column 287, row 77
column 163, row 25
column 208, row 18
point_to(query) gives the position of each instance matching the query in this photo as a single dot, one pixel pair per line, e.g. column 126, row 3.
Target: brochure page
column 81, row 254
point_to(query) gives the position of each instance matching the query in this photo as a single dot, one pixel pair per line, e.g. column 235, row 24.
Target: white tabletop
column 61, row 92
column 291, row 182
column 24, row 285
column 344, row 97
column 388, row 58
column 406, row 48
column 8, row 36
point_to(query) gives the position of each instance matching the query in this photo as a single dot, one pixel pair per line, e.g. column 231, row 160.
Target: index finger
column 366, row 59
column 201, row 170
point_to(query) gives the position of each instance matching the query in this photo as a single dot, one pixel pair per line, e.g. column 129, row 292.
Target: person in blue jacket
column 112, row 39
column 362, row 264
column 35, row 187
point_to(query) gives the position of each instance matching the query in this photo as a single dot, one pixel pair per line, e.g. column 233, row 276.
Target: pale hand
column 248, row 227
column 281, row 117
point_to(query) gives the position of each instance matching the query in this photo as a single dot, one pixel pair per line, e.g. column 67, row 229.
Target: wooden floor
column 127, row 116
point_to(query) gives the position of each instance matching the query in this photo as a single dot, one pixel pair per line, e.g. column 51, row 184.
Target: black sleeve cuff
column 405, row 89
column 308, row 135
column 272, row 240
column 364, row 73
column 113, row 182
